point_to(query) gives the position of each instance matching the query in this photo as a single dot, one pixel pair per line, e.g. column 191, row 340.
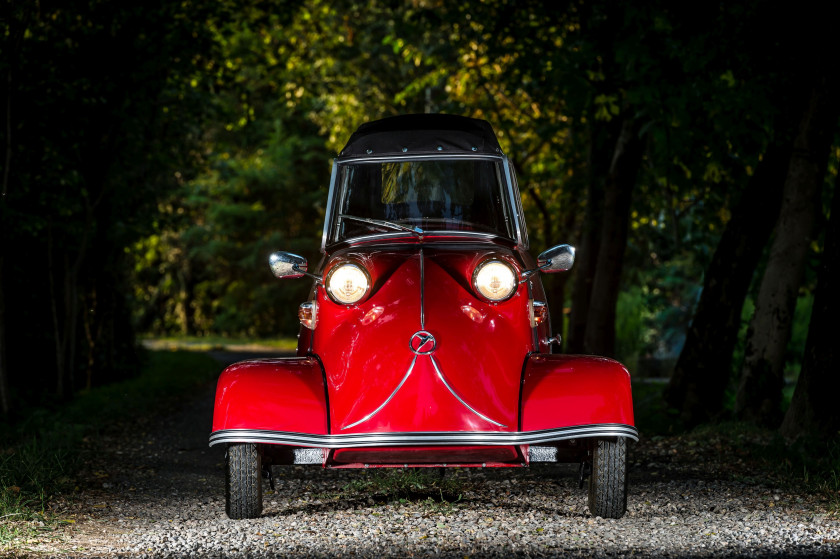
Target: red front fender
column 570, row 390
column 285, row 394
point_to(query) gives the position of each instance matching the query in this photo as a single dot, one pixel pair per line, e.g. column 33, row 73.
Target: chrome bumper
column 421, row 438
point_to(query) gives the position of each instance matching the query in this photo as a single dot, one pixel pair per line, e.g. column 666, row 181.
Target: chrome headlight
column 495, row 280
column 347, row 283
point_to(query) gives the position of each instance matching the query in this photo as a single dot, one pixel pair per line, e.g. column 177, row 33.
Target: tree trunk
column 814, row 411
column 759, row 394
column 602, row 147
column 5, row 401
column 65, row 312
column 618, row 192
column 703, row 368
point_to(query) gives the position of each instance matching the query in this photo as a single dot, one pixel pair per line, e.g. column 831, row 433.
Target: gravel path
column 157, row 490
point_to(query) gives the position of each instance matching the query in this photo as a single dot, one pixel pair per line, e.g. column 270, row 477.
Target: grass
column 207, row 343
column 167, row 374
column 30, row 473
column 436, row 489
column 41, row 454
column 815, row 462
column 812, row 465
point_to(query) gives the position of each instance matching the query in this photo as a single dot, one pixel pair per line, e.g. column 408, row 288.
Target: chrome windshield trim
column 424, row 438
column 388, row 399
column 435, row 233
column 330, row 204
column 452, row 391
column 515, row 204
column 438, row 156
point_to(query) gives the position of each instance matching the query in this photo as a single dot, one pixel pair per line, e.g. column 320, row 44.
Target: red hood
column 470, row 381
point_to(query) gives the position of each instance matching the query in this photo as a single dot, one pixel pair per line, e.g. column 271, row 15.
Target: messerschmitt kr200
column 426, row 340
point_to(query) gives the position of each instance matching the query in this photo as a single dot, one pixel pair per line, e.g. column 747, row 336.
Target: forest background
column 154, row 153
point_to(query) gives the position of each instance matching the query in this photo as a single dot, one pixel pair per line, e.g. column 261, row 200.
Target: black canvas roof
column 422, row 134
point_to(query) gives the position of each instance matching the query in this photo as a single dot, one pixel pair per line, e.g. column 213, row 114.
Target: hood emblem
column 422, row 343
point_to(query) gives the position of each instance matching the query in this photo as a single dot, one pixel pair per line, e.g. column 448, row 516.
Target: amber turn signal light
column 308, row 314
column 538, row 312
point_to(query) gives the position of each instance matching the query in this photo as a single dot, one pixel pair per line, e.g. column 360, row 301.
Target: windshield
column 467, row 195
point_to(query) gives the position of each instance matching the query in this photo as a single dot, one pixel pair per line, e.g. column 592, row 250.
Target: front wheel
column 243, row 487
column 608, row 481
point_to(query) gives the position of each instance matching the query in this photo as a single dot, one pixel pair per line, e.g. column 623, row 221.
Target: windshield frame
column 508, row 178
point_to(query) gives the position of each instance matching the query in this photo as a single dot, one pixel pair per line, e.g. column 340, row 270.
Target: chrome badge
column 422, row 343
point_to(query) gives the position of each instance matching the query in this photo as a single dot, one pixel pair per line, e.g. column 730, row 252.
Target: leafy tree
column 182, row 142
column 206, row 270
column 703, row 371
column 100, row 108
column 260, row 186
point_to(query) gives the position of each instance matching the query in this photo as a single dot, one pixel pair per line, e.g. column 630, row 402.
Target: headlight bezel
column 331, row 292
column 483, row 266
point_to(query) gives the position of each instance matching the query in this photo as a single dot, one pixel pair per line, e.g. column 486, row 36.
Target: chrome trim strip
column 414, row 360
column 452, row 391
column 515, row 198
column 330, row 204
column 424, row 438
column 436, row 232
column 388, row 399
column 438, row 156
column 422, row 292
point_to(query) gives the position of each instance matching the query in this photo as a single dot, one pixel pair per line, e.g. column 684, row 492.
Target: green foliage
column 205, row 271
column 165, row 376
column 652, row 416
column 630, row 328
column 541, row 76
column 653, row 314
column 219, row 343
column 799, row 333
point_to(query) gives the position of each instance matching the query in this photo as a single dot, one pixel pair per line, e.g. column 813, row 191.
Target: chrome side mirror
column 287, row 265
column 559, row 258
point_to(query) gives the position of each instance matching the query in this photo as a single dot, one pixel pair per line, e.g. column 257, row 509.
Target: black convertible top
column 414, row 134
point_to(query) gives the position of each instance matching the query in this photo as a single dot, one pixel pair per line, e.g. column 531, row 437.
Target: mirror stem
column 317, row 279
column 526, row 275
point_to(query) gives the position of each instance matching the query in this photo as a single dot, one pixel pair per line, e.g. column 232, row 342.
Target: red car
column 426, row 340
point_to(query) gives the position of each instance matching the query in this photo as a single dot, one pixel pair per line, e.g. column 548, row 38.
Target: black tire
column 243, row 482
column 608, row 481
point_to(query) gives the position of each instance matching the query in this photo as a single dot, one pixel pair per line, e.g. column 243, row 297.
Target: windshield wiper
column 382, row 223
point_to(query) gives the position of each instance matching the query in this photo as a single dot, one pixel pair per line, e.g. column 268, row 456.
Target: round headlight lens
column 347, row 283
column 495, row 280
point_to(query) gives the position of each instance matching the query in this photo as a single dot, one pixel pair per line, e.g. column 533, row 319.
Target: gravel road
column 156, row 489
